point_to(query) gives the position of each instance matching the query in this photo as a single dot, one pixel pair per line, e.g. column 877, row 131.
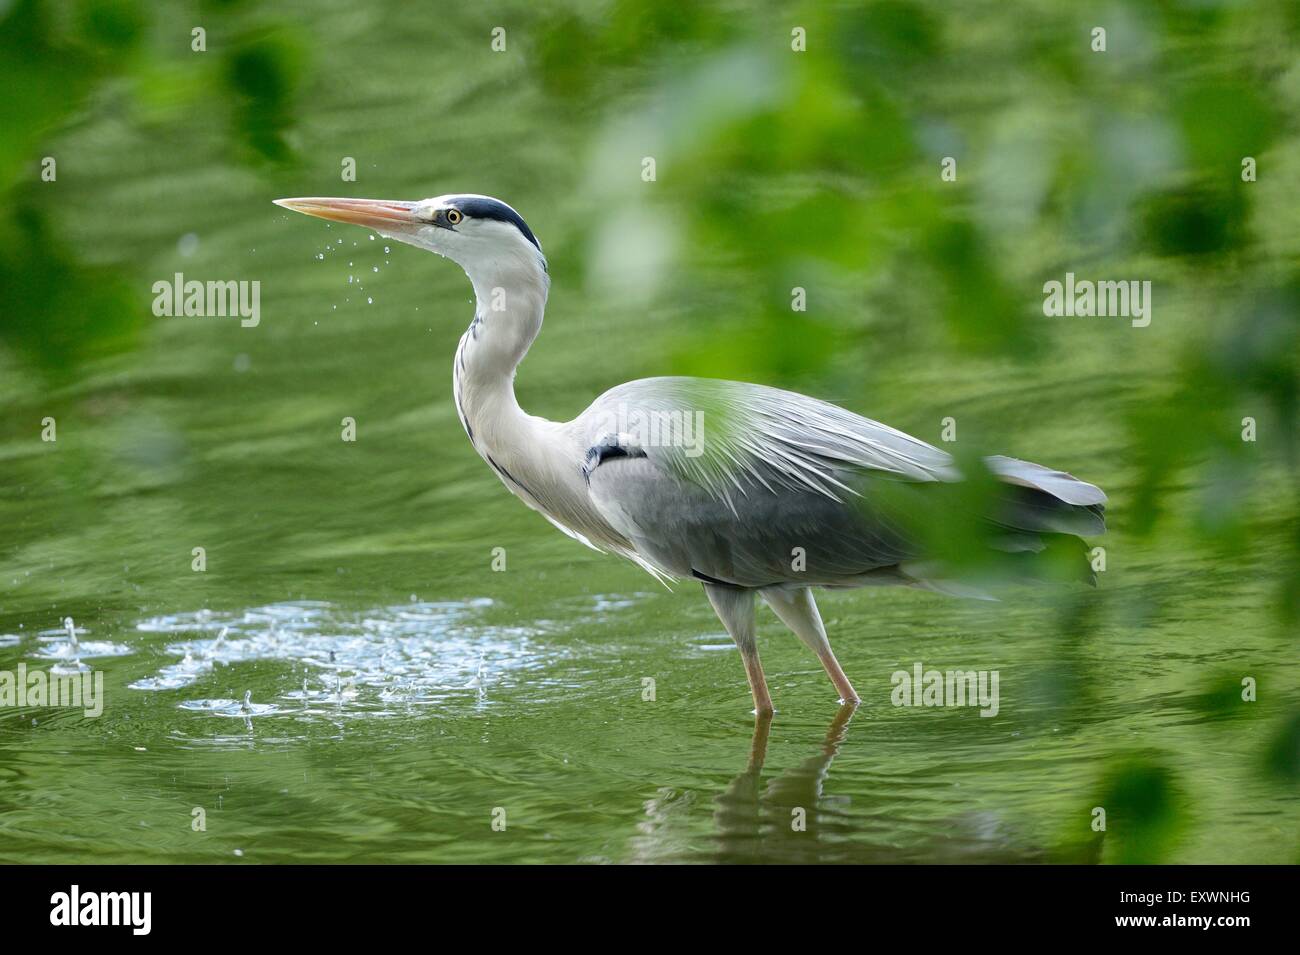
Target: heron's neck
column 510, row 297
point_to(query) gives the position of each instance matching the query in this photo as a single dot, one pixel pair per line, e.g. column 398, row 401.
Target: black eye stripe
column 476, row 207
column 483, row 208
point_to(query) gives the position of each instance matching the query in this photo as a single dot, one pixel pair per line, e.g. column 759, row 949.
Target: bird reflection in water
column 788, row 818
column 752, row 820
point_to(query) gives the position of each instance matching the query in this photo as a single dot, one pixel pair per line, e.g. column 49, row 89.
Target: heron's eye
column 454, row 216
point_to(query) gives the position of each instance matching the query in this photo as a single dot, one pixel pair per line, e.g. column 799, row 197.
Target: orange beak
column 382, row 215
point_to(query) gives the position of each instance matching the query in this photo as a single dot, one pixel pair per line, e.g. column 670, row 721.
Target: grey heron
column 745, row 488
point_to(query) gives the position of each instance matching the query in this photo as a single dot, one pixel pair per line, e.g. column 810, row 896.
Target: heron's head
column 484, row 236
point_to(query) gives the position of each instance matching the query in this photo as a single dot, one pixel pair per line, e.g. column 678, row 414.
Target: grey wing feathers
column 769, row 539
column 734, row 438
column 730, row 482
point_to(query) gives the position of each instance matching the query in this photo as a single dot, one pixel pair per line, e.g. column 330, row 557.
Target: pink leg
column 798, row 611
column 735, row 608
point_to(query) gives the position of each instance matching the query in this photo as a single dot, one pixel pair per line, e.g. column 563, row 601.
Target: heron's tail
column 1065, row 488
column 1042, row 516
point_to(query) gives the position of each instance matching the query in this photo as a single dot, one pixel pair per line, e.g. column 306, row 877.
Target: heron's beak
column 382, row 215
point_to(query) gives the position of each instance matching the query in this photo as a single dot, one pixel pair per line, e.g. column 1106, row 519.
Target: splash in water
column 416, row 653
column 65, row 645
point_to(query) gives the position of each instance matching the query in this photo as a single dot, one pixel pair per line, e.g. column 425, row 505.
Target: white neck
column 535, row 458
column 510, row 294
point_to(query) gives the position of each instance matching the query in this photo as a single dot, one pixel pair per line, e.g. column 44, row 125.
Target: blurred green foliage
column 1283, row 755
column 262, row 74
column 60, row 310
column 1144, row 812
column 1127, row 164
column 56, row 59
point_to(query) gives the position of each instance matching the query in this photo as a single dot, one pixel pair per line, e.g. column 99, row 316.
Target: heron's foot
column 841, row 682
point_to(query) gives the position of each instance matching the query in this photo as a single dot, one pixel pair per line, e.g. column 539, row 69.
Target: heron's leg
column 735, row 608
column 798, row 611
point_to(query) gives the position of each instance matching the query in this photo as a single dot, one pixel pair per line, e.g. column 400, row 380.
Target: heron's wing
column 733, row 439
column 745, row 484
column 751, row 485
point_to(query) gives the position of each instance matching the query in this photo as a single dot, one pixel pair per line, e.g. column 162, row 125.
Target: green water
column 529, row 682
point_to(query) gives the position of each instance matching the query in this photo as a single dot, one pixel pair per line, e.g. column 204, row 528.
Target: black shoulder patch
column 607, row 448
column 480, row 207
column 601, row 453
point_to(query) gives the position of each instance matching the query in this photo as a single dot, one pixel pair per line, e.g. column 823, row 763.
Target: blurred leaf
column 1221, row 699
column 115, row 25
column 263, row 72
column 58, row 311
column 885, row 37
column 1202, row 219
column 44, row 77
column 1144, row 813
column 1282, row 758
column 979, row 309
column 1241, row 126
